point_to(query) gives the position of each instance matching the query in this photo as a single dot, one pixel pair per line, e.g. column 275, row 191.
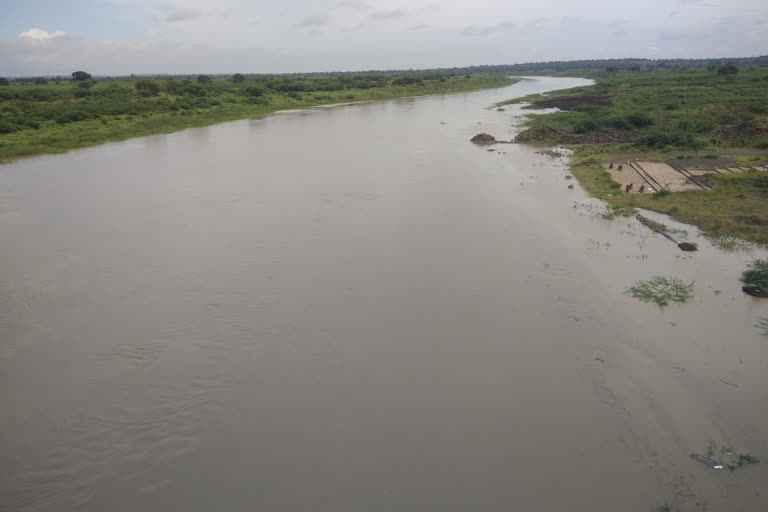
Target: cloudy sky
column 118, row 37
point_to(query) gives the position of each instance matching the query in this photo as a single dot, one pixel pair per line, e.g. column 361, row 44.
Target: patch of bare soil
column 568, row 102
column 744, row 130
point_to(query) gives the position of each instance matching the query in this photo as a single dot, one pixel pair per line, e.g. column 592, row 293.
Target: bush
column 7, row 126
column 4, row 81
column 254, row 91
column 203, row 79
column 728, row 69
column 82, row 93
column 667, row 136
column 238, row 77
column 664, row 192
column 639, row 119
column 587, row 125
column 71, row 117
column 756, row 274
column 147, row 88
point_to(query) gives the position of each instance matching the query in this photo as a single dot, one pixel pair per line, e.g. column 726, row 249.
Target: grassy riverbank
column 698, row 116
column 57, row 117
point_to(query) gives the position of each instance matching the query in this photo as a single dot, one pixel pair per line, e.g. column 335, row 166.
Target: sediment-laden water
column 354, row 308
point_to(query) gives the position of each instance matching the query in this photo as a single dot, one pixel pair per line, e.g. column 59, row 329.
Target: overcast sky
column 118, row 37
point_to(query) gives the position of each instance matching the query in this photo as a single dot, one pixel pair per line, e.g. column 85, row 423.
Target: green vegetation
column 657, row 114
column 727, row 457
column 661, row 290
column 63, row 115
column 756, row 275
column 735, row 209
column 680, row 109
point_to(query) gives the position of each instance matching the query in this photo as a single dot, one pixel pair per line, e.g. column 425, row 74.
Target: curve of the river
column 354, row 308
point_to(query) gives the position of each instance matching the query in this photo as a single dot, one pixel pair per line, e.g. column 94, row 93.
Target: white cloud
column 36, row 34
column 179, row 36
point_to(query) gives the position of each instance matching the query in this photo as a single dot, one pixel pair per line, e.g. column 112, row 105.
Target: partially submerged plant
column 762, row 323
column 729, row 243
column 662, row 290
column 756, row 275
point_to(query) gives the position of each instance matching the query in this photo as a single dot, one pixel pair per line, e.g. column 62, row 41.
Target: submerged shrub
column 661, row 290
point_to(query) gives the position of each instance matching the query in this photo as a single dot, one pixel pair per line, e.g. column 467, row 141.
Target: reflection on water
column 354, row 308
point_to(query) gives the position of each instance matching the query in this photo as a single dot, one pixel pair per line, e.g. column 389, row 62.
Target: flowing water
column 354, row 308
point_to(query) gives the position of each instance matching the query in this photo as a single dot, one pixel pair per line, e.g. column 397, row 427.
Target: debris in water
column 706, row 460
column 483, row 139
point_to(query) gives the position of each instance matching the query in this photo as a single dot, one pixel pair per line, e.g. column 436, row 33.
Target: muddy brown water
column 354, row 308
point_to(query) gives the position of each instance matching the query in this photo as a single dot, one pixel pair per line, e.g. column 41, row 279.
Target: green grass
column 735, row 210
column 54, row 118
column 664, row 108
column 661, row 290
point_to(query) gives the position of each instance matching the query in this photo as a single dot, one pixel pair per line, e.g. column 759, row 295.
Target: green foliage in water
column 662, row 290
column 756, row 274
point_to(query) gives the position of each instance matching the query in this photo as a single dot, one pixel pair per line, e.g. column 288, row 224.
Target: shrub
column 667, row 136
column 587, row 125
column 639, row 119
column 254, row 91
column 728, row 69
column 147, row 88
column 71, row 117
column 7, row 126
column 82, row 93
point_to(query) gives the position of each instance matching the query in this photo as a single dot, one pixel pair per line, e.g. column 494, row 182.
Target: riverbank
column 55, row 118
column 697, row 118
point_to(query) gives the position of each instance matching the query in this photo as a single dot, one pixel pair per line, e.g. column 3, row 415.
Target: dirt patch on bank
column 569, row 102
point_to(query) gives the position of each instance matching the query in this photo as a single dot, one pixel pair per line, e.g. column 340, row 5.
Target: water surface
column 354, row 308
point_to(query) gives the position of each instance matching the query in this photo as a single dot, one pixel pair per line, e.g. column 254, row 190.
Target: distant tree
column 85, row 85
column 203, row 79
column 174, row 87
column 147, row 88
column 728, row 69
column 611, row 69
column 238, row 77
column 4, row 81
column 41, row 80
column 79, row 76
column 254, row 91
column 195, row 90
column 636, row 67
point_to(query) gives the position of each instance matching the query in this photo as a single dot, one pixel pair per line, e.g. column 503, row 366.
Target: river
column 355, row 308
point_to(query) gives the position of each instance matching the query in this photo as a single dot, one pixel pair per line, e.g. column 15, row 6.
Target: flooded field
column 354, row 308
